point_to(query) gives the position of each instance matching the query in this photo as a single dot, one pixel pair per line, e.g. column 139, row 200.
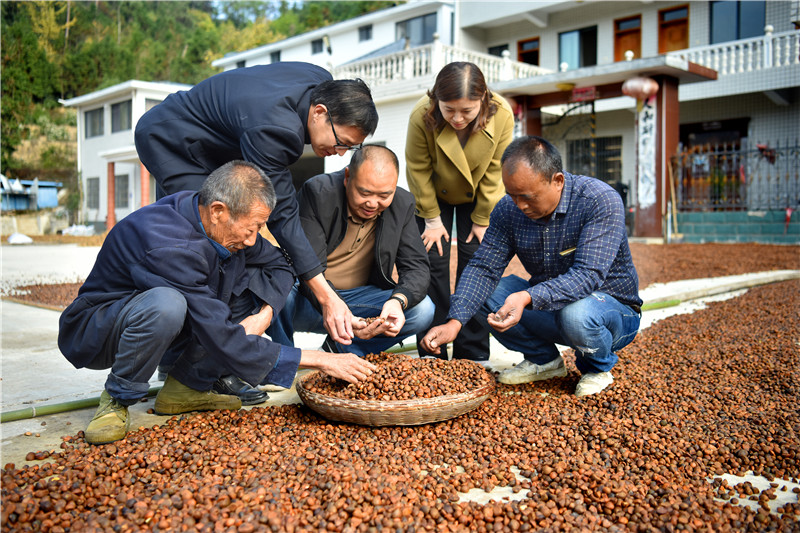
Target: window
column 628, row 36
column 240, row 64
column 418, row 30
column 673, row 29
column 577, row 48
column 497, row 50
column 275, row 57
column 365, row 33
column 92, row 193
column 605, row 165
column 732, row 20
column 528, row 51
column 316, row 46
column 94, row 122
column 121, row 116
column 150, row 103
column 121, row 190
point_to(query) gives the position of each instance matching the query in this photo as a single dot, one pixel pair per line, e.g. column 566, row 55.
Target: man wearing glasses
column 266, row 115
column 362, row 227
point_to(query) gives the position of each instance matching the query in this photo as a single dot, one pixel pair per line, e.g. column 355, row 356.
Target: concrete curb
column 659, row 293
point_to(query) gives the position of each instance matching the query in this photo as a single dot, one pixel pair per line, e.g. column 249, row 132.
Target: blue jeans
column 595, row 327
column 299, row 314
column 142, row 333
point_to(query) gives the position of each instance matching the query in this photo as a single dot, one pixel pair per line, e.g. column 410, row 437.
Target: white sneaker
column 593, row 383
column 526, row 372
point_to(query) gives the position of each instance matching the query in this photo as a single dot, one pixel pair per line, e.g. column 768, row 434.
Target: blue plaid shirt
column 581, row 248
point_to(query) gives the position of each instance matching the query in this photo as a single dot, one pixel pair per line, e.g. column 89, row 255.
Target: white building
column 109, row 168
column 728, row 74
column 563, row 64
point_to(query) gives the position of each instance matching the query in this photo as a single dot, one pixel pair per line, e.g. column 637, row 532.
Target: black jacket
column 258, row 114
column 323, row 214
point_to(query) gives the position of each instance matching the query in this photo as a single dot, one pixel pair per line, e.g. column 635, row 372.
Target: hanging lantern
column 640, row 88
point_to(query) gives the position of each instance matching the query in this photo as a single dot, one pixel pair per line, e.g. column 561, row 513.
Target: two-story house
column 109, row 168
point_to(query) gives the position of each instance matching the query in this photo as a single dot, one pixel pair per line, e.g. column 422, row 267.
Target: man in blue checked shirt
column 569, row 233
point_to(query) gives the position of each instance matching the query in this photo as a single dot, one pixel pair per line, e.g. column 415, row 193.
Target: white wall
column 343, row 38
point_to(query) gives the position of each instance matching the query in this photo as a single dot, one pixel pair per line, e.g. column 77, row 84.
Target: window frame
column 365, row 33
column 121, row 192
column 664, row 24
column 737, row 33
column 89, row 131
column 619, row 55
column 581, row 46
column 521, row 52
column 93, row 193
column 404, row 24
column 497, row 50
column 317, row 46
column 126, row 121
column 611, row 146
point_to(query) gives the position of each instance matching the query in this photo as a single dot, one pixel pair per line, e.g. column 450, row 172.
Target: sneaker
column 110, row 421
column 593, row 383
column 526, row 372
column 175, row 398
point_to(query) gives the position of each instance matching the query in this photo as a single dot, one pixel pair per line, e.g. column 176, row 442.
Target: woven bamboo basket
column 393, row 413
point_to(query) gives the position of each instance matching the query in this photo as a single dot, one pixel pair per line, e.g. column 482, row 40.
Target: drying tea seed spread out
column 402, row 377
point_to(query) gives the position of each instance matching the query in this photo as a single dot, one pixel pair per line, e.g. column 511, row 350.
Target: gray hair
column 536, row 152
column 238, row 185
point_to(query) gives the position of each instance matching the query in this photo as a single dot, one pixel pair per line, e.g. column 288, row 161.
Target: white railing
column 747, row 55
column 428, row 59
column 734, row 57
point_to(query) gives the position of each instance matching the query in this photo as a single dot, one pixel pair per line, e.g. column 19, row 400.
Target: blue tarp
column 20, row 198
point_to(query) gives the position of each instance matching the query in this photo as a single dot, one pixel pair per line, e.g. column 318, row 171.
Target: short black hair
column 238, row 185
column 349, row 103
column 536, row 152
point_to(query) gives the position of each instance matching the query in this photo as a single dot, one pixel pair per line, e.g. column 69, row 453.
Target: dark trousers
column 472, row 341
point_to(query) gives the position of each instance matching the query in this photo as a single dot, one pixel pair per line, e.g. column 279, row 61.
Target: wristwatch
column 400, row 299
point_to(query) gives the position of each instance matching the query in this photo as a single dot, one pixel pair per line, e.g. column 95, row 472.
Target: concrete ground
column 35, row 376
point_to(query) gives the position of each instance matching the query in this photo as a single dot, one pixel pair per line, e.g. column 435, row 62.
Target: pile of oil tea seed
column 694, row 397
column 403, row 377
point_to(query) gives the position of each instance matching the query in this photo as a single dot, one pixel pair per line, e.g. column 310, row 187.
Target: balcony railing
column 427, row 60
column 747, row 55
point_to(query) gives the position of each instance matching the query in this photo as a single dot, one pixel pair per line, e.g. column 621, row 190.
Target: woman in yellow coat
column 456, row 136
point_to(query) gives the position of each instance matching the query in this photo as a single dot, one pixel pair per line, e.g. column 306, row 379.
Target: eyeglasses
column 339, row 144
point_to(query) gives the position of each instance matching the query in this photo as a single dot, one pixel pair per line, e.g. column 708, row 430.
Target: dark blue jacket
column 258, row 114
column 164, row 245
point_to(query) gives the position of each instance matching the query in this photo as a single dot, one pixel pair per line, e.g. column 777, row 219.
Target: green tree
column 27, row 78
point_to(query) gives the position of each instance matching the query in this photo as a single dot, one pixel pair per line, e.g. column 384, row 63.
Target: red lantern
column 640, row 88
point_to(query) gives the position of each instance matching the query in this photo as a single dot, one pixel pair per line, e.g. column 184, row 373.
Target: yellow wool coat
column 437, row 165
